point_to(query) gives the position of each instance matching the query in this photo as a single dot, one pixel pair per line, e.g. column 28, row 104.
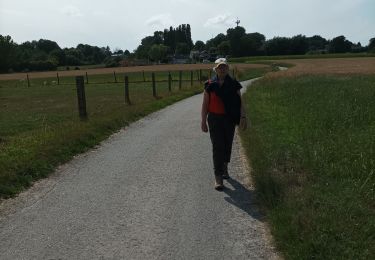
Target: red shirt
column 215, row 105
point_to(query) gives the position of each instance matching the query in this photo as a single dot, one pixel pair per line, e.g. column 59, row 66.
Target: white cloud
column 71, row 10
column 160, row 20
column 220, row 20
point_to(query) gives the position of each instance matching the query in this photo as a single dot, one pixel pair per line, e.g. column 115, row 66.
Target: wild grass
column 312, row 150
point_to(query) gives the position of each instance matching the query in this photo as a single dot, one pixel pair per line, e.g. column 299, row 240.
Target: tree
column 214, row 42
column 251, row 44
column 182, row 48
column 199, row 46
column 340, row 44
column 58, row 55
column 278, row 46
column 47, row 45
column 158, row 37
column 224, row 48
column 142, row 51
column 299, row 44
column 316, row 43
column 158, row 52
column 7, row 53
column 258, row 41
column 234, row 36
column 371, row 45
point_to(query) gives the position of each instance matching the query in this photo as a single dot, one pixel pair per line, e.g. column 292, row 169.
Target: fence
column 134, row 77
column 154, row 79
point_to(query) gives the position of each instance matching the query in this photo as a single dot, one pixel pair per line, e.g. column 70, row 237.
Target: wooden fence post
column 114, row 75
column 153, row 85
column 81, row 97
column 127, row 99
column 169, row 81
column 58, row 79
column 180, row 80
column 87, row 78
column 191, row 78
column 28, row 80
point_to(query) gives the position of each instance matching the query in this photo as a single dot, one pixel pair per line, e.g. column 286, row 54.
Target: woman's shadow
column 242, row 198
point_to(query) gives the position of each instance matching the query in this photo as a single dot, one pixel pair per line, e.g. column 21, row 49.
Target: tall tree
column 224, row 48
column 317, row 42
column 371, row 45
column 234, row 36
column 47, row 45
column 278, row 46
column 214, row 42
column 158, row 52
column 7, row 53
column 299, row 44
column 199, row 46
column 340, row 44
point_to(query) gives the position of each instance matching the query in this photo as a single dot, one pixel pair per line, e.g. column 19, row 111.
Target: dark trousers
column 221, row 134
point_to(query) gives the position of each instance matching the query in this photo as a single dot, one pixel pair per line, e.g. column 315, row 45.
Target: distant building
column 181, row 59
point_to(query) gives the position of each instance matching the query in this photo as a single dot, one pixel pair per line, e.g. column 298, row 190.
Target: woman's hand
column 243, row 123
column 204, row 126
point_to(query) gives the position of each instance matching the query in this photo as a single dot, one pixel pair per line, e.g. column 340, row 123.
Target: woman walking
column 223, row 109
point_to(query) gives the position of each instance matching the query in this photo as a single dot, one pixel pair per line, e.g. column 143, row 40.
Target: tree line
column 165, row 45
column 47, row 55
column 237, row 43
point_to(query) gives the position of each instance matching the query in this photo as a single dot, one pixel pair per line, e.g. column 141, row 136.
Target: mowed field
column 123, row 70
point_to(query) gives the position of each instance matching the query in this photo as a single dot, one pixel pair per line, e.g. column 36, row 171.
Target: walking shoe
column 225, row 171
column 219, row 183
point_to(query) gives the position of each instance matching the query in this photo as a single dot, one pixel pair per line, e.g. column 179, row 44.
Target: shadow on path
column 242, row 198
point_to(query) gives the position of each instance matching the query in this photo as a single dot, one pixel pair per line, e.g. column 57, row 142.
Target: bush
column 42, row 65
column 112, row 62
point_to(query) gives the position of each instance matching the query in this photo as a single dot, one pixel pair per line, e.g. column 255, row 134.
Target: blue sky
column 122, row 24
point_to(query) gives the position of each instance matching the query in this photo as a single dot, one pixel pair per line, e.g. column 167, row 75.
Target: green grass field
column 312, row 150
column 40, row 127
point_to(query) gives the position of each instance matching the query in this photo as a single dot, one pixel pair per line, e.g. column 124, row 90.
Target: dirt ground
column 341, row 66
column 120, row 70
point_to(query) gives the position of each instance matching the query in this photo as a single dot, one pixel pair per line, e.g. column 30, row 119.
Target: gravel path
column 145, row 193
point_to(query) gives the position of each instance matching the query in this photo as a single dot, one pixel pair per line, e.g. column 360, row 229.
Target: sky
column 121, row 24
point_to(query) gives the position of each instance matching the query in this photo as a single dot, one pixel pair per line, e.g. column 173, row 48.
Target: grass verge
column 312, row 150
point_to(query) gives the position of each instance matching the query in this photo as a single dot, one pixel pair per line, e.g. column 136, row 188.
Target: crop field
column 312, row 148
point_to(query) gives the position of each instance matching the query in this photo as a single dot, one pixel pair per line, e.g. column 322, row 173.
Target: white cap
column 220, row 61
